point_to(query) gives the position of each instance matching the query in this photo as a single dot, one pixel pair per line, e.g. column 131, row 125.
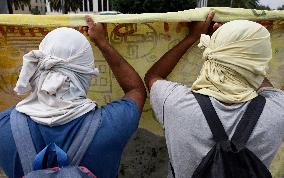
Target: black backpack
column 231, row 158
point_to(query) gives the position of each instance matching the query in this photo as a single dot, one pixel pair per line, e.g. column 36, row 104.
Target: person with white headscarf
column 56, row 79
column 236, row 58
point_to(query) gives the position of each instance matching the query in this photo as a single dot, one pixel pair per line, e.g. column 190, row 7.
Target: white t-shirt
column 188, row 135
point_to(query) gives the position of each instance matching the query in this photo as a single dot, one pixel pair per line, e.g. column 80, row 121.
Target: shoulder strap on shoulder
column 248, row 122
column 212, row 118
column 23, row 140
column 84, row 137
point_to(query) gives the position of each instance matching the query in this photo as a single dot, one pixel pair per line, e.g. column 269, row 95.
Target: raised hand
column 96, row 31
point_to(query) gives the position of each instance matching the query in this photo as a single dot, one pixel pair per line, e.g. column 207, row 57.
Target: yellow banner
column 142, row 39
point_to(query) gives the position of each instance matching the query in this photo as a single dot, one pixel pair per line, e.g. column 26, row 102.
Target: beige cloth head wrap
column 237, row 57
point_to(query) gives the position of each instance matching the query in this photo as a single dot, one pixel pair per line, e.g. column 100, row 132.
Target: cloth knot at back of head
column 204, row 44
column 57, row 76
column 236, row 61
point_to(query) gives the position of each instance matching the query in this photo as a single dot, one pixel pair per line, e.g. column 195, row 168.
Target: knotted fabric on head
column 237, row 57
column 57, row 76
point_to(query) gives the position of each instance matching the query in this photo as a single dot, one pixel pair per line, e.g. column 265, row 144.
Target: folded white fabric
column 57, row 76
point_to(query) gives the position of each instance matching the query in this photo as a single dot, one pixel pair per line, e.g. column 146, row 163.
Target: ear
column 213, row 27
column 216, row 26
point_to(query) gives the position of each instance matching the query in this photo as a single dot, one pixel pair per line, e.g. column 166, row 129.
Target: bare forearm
column 164, row 66
column 127, row 77
column 124, row 73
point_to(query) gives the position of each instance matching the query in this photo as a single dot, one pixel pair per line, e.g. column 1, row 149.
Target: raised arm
column 127, row 77
column 164, row 66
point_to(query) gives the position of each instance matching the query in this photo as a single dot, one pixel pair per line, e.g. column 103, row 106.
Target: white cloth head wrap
column 237, row 57
column 58, row 76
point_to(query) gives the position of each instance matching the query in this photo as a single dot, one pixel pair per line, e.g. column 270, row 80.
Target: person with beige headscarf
column 56, row 111
column 236, row 57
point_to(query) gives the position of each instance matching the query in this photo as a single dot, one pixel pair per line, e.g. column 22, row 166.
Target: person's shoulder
column 122, row 116
column 120, row 103
column 271, row 92
column 164, row 88
column 6, row 113
column 120, row 107
column 163, row 84
column 274, row 95
column 169, row 96
column 5, row 117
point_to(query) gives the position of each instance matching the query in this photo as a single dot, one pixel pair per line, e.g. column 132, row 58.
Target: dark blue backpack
column 67, row 163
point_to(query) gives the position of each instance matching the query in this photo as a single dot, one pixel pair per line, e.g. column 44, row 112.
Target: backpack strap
column 24, row 143
column 40, row 159
column 84, row 137
column 247, row 123
column 172, row 170
column 216, row 127
column 23, row 140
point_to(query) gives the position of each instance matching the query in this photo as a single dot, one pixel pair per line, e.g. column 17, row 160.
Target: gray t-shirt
column 188, row 135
